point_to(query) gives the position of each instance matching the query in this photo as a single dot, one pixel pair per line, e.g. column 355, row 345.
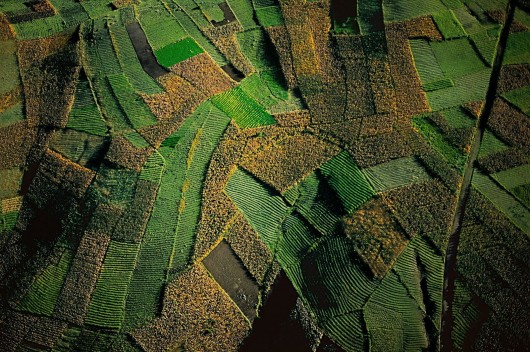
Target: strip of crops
column 296, row 239
column 330, row 279
column 136, row 139
column 514, row 177
column 158, row 241
column 490, row 144
column 107, row 306
column 9, row 220
column 347, row 330
column 212, row 11
column 100, row 60
column 153, row 168
column 347, row 180
column 177, row 52
column 517, row 49
column 193, row 30
column 137, row 112
column 244, row 12
column 448, row 25
column 436, row 139
column 118, row 183
column 263, row 210
column 132, row 68
column 393, row 295
column 269, row 16
column 100, row 55
column 159, row 25
column 39, row 28
column 486, row 44
column 467, row 88
column 395, row 173
column 244, row 110
column 194, row 12
column 255, row 87
column 505, row 202
column 72, row 12
column 254, row 45
column 198, row 159
column 85, row 115
column 12, row 115
column 314, row 200
column 385, row 327
column 398, row 10
column 457, row 57
column 44, row 291
column 465, row 314
column 520, row 98
column 96, row 9
column 457, row 118
column 9, row 75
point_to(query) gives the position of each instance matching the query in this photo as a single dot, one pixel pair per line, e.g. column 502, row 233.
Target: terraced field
column 264, row 175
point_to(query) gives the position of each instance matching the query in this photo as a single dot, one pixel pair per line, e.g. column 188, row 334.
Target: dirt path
column 450, row 271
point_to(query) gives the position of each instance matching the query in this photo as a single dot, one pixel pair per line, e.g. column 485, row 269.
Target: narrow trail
column 450, row 272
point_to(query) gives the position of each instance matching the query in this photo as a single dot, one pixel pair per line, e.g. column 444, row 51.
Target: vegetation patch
column 177, row 52
column 244, row 110
column 347, row 181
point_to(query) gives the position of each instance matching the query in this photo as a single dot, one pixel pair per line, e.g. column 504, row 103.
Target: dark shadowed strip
column 450, row 271
column 144, row 51
column 233, row 72
column 229, row 15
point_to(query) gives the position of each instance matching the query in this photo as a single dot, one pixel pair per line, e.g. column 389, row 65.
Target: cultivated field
column 264, row 175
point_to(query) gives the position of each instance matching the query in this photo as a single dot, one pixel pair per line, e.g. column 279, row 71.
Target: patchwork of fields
column 264, row 175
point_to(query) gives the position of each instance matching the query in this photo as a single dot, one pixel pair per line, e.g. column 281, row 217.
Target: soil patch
column 228, row 270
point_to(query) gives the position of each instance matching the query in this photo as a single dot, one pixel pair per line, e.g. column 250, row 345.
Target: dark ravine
column 275, row 329
column 450, row 270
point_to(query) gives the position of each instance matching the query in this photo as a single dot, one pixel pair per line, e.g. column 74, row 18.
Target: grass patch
column 177, row 52
column 263, row 209
column 520, row 98
column 107, row 306
column 399, row 10
column 457, row 57
column 44, row 291
column 490, row 144
column 270, row 16
column 436, row 140
column 347, row 181
column 448, row 25
column 244, row 110
column 425, row 61
column 517, row 49
column 505, row 202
